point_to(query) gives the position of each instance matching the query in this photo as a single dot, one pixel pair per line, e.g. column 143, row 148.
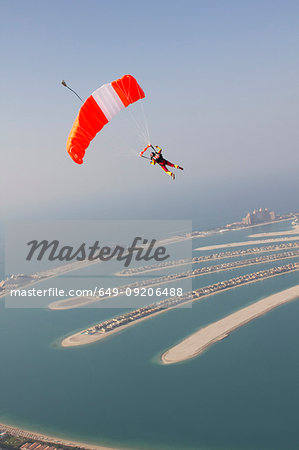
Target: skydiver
column 157, row 157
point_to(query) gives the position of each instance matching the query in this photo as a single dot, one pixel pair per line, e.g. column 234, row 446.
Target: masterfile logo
column 54, row 251
column 127, row 263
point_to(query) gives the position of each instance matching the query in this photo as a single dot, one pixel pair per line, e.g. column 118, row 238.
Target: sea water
column 242, row 393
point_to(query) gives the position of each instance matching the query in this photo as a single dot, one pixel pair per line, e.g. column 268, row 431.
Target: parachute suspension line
column 145, row 119
column 143, row 129
column 145, row 122
column 143, row 125
column 142, row 132
column 65, row 85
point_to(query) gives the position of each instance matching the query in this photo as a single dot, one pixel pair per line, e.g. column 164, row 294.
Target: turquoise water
column 243, row 393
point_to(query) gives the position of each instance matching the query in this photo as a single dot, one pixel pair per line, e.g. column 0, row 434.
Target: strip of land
column 240, row 244
column 199, row 259
column 76, row 302
column 32, row 435
column 202, row 339
column 114, row 325
column 295, row 230
column 21, row 281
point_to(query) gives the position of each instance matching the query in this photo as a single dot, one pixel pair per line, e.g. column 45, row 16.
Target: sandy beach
column 33, row 436
column 76, row 302
column 202, row 339
column 77, row 339
column 80, row 338
column 240, row 244
column 295, row 230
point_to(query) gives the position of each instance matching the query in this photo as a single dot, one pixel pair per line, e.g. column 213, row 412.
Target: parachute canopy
column 98, row 110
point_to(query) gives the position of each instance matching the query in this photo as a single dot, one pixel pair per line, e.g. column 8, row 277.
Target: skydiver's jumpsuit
column 158, row 158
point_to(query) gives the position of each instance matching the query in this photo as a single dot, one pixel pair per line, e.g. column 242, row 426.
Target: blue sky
column 221, row 84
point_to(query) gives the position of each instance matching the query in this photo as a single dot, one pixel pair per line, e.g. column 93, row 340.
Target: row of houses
column 132, row 316
column 212, row 256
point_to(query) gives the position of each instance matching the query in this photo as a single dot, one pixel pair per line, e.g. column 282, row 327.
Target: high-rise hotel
column 259, row 216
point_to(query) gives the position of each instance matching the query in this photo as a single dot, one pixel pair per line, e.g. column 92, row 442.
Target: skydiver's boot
column 178, row 167
column 171, row 174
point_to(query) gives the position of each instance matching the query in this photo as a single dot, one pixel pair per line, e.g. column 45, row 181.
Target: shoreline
column 79, row 339
column 76, row 340
column 43, row 437
column 65, row 268
column 77, row 302
column 223, row 229
column 295, row 230
column 36, row 436
column 241, row 244
column 199, row 341
column 216, row 257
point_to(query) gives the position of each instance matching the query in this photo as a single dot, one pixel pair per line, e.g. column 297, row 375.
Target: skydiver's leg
column 163, row 166
column 168, row 163
column 176, row 166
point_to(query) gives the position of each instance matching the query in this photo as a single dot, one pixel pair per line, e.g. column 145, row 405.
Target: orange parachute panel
column 98, row 110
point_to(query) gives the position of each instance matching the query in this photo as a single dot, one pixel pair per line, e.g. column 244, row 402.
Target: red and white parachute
column 98, row 110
